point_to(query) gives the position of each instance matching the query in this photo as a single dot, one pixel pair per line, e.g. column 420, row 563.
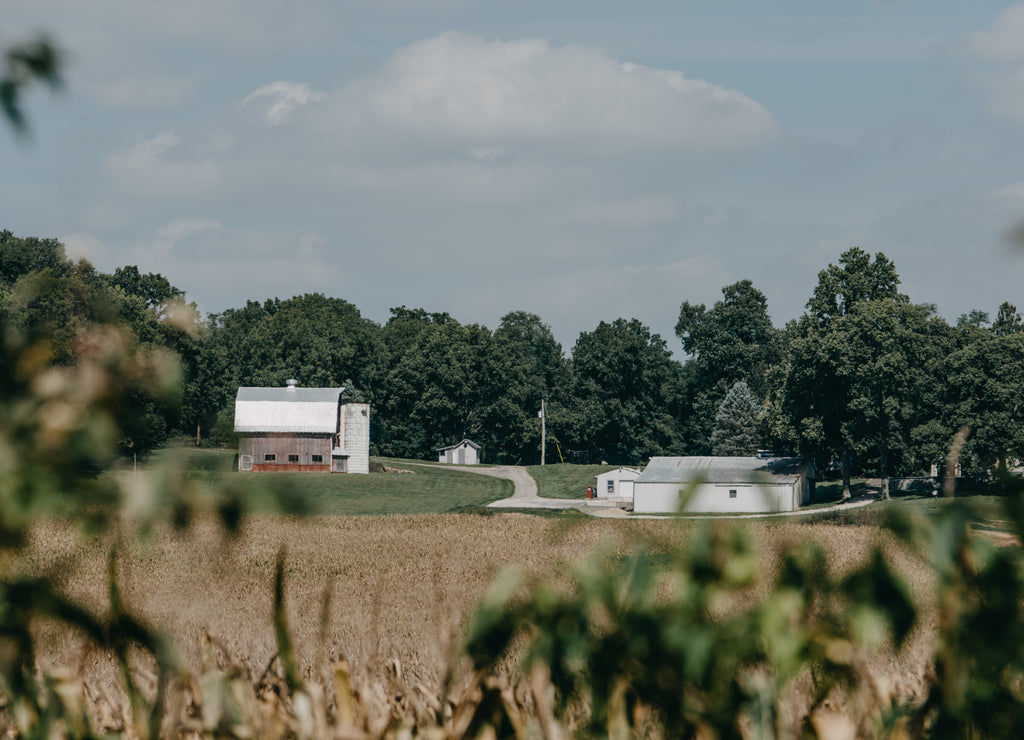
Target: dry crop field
column 400, row 586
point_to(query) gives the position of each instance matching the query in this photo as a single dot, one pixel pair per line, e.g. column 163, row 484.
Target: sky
column 581, row 160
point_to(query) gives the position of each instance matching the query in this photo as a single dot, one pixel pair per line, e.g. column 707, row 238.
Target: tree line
column 864, row 379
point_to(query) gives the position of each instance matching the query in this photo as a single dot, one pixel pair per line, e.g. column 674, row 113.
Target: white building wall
column 464, row 454
column 355, row 436
column 622, row 483
column 714, row 498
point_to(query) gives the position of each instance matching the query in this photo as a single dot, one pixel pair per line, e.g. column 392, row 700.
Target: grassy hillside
column 565, row 480
column 426, row 490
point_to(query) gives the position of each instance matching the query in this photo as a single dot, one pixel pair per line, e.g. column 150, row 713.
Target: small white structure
column 718, row 485
column 294, row 429
column 466, row 452
column 616, row 483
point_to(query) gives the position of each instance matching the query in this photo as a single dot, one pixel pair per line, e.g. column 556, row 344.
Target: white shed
column 616, row 483
column 466, row 452
column 712, row 485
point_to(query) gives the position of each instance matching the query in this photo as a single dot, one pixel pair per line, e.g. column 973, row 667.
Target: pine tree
column 735, row 432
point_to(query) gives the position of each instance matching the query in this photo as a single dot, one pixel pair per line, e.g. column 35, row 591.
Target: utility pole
column 543, row 430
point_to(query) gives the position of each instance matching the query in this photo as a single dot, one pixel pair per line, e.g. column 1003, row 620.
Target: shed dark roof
column 723, row 470
column 469, row 442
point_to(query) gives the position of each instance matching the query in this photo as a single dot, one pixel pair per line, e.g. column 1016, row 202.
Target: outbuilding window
column 732, row 493
column 611, row 486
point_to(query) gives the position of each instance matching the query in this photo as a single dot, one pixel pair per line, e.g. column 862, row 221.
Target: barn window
column 318, row 458
column 293, row 458
column 611, row 486
column 732, row 493
column 269, row 457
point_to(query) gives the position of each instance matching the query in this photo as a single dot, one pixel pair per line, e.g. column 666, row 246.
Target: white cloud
column 146, row 169
column 1002, row 79
column 1005, row 40
column 488, row 95
column 1005, row 92
column 169, row 235
column 284, row 98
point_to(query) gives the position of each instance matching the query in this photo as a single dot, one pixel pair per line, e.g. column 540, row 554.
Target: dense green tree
column 621, row 373
column 404, row 326
column 733, row 340
column 883, row 351
column 20, row 256
column 972, row 320
column 439, row 391
column 1007, row 321
column 735, row 433
column 817, row 394
column 317, row 340
column 62, row 305
column 984, row 389
column 153, row 288
column 529, row 361
column 856, row 279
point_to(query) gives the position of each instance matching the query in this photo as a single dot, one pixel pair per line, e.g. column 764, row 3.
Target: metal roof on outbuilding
column 723, row 470
column 296, row 410
column 289, row 395
column 469, row 442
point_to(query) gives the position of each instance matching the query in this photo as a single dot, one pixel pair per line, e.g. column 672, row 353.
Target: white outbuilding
column 616, row 483
column 466, row 452
column 720, row 485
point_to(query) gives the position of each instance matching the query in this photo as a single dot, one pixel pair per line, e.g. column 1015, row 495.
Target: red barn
column 296, row 429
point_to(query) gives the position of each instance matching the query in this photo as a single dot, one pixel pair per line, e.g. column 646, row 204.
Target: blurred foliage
column 24, row 65
column 680, row 643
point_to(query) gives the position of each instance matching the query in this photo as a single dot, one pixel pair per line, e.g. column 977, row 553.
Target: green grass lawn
column 566, row 480
column 428, row 490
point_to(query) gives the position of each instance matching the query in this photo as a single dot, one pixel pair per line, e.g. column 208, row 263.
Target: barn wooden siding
column 303, row 444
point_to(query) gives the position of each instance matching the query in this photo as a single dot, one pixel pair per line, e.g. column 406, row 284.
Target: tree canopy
column 864, row 376
column 735, row 433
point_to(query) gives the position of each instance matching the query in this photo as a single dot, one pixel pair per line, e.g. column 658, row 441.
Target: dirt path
column 525, row 496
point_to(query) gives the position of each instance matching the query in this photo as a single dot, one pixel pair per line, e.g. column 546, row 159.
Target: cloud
column 146, row 169
column 1002, row 48
column 1005, row 41
column 169, row 235
column 488, row 96
column 284, row 98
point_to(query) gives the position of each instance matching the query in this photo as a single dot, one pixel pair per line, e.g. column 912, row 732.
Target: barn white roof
column 723, row 469
column 287, row 410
